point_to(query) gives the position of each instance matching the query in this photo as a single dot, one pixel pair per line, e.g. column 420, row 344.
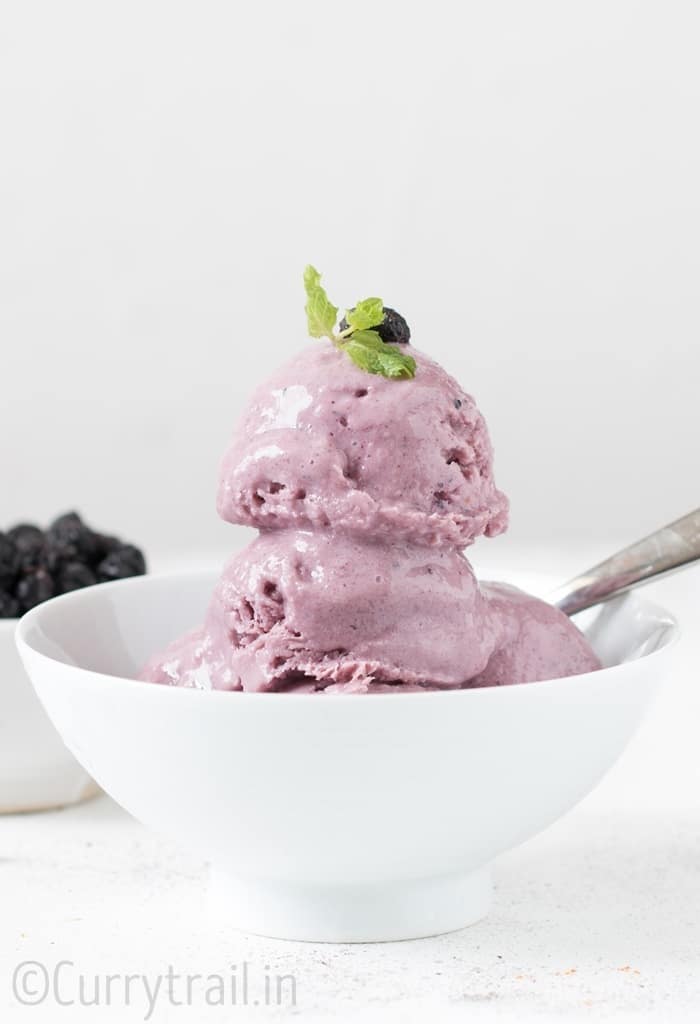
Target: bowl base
column 27, row 796
column 379, row 912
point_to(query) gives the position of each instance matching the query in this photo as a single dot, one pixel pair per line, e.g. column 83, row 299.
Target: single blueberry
column 121, row 563
column 104, row 545
column 33, row 588
column 74, row 576
column 30, row 542
column 393, row 329
column 68, row 539
column 26, row 536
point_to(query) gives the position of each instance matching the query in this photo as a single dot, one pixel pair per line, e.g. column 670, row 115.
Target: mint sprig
column 320, row 311
column 363, row 345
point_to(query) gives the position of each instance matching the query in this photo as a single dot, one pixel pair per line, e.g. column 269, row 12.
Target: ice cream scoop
column 536, row 641
column 324, row 444
column 317, row 610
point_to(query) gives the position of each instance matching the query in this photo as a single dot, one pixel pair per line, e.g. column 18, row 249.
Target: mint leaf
column 370, row 353
column 368, row 313
column 321, row 314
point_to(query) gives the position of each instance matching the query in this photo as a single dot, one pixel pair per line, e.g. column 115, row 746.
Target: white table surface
column 596, row 918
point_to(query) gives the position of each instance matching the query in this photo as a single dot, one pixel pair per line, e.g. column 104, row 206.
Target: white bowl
column 36, row 770
column 345, row 817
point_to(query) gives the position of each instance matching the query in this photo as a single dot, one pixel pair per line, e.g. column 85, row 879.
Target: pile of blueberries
column 38, row 564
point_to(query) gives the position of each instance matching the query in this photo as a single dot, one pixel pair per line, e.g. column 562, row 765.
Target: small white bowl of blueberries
column 36, row 770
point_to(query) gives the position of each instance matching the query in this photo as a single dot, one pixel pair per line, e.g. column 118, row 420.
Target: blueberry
column 120, row 563
column 9, row 561
column 393, row 329
column 74, row 576
column 26, row 536
column 104, row 545
column 69, row 556
column 33, row 588
column 9, row 606
column 31, row 545
column 68, row 539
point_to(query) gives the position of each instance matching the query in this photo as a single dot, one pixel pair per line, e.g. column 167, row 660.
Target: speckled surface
column 597, row 918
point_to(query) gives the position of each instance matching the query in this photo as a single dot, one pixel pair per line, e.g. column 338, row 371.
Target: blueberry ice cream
column 366, row 470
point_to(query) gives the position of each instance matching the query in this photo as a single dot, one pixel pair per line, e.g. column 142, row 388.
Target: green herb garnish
column 363, row 345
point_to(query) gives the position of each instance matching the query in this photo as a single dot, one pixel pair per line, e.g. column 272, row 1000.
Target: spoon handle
column 670, row 548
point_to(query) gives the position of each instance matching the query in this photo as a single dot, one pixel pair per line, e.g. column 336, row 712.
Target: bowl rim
column 33, row 618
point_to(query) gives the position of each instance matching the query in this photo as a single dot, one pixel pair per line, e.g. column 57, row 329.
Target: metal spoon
column 669, row 549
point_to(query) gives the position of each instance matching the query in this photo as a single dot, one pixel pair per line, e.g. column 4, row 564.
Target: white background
column 520, row 179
